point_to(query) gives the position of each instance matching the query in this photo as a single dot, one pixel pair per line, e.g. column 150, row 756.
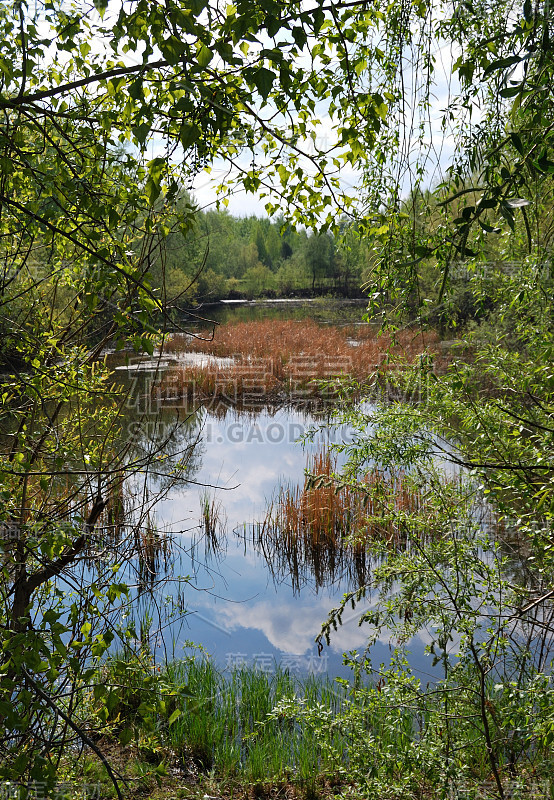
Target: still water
column 245, row 603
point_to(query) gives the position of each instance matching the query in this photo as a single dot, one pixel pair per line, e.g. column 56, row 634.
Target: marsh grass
column 226, row 724
column 272, row 357
column 212, row 521
column 247, row 734
column 325, row 526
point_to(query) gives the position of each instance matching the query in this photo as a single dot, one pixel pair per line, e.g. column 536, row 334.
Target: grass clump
column 272, row 357
column 326, row 526
column 227, row 726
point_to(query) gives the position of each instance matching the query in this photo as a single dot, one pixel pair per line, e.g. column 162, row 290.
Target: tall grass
column 275, row 356
column 390, row 739
column 227, row 723
column 212, row 523
column 324, row 527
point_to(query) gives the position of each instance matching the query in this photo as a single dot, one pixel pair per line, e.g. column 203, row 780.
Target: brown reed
column 271, row 357
column 326, row 525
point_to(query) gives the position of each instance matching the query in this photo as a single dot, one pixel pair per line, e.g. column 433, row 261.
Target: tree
column 319, row 255
column 85, row 216
column 477, row 239
column 258, row 279
column 259, row 241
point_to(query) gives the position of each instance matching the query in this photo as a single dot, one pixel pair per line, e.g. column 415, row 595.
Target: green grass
column 227, row 723
column 231, row 734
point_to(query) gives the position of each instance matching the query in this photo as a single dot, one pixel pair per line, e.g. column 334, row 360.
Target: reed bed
column 270, row 357
column 324, row 527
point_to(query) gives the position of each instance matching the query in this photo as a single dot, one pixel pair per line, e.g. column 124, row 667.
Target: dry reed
column 272, row 357
column 324, row 527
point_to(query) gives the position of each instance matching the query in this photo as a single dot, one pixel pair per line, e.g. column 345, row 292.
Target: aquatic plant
column 226, row 721
column 327, row 525
column 388, row 735
column 301, row 359
column 212, row 520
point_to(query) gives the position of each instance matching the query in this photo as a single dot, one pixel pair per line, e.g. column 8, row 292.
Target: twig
column 79, row 731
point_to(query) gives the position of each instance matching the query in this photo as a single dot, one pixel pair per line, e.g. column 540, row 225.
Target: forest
column 403, row 153
column 225, row 257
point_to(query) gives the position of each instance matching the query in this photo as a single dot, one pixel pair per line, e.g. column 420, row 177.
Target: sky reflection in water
column 240, row 610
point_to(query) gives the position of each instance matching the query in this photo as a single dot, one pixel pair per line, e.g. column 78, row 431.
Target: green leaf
column 263, row 79
column 155, row 167
column 7, row 68
column 502, row 63
column 112, row 701
column 189, row 134
column 318, row 18
column 20, row 764
column 508, row 214
column 147, row 345
column 517, row 143
column 152, row 190
column 510, row 91
column 141, row 132
column 136, row 90
column 125, row 736
column 486, row 227
column 6, row 709
column 101, row 6
column 273, row 24
column 299, row 36
column 204, row 56
column 174, row 717
column 172, row 49
column 487, row 202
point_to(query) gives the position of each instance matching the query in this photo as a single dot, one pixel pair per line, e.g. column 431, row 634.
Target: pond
column 249, row 600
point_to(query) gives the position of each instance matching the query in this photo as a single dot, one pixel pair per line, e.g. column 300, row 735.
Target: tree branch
column 65, row 88
column 79, row 731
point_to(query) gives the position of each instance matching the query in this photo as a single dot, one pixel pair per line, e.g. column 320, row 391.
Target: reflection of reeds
column 129, row 533
column 211, row 522
column 325, row 525
column 153, row 549
column 272, row 355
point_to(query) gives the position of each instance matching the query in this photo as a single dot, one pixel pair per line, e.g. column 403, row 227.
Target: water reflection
column 325, row 311
column 245, row 601
column 252, row 593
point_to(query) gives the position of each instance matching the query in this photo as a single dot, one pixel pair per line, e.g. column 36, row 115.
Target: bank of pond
column 189, row 729
column 262, row 539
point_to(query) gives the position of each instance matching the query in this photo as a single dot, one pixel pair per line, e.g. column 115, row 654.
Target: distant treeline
column 224, row 256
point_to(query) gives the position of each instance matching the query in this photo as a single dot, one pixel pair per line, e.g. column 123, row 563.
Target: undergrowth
column 249, row 734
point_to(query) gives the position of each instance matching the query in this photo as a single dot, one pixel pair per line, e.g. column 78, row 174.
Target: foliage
column 478, row 590
column 224, row 256
column 396, row 738
column 472, row 251
column 86, row 216
column 86, row 211
column 228, row 723
column 443, row 221
column 483, row 608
